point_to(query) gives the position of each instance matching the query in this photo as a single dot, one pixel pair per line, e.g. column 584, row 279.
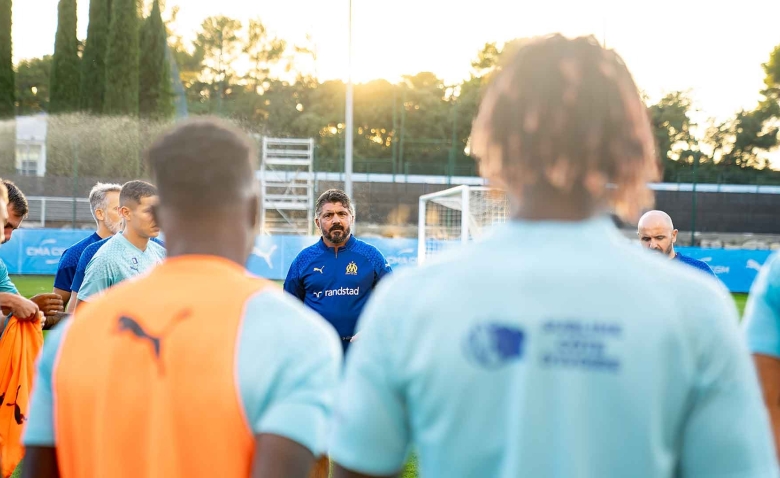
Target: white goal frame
column 461, row 199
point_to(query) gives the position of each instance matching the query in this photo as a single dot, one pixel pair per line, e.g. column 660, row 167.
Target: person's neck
column 333, row 245
column 207, row 238
column 672, row 254
column 551, row 213
column 135, row 239
column 543, row 204
column 103, row 231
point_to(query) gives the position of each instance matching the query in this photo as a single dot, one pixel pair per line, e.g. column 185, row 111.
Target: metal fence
column 59, row 212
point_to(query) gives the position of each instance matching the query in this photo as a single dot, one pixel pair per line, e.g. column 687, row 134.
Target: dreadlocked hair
column 565, row 116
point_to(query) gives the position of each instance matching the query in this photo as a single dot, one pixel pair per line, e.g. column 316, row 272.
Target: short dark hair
column 203, row 163
column 565, row 116
column 333, row 196
column 16, row 197
column 134, row 191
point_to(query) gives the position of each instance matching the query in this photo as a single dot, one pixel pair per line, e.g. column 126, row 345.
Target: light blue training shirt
column 762, row 312
column 118, row 259
column 552, row 349
column 288, row 367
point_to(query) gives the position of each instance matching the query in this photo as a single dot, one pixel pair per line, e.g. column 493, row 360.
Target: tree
column 263, row 52
column 742, row 141
column 32, row 85
column 93, row 66
column 7, row 88
column 218, row 43
column 672, row 128
column 122, row 60
column 65, row 76
column 156, row 95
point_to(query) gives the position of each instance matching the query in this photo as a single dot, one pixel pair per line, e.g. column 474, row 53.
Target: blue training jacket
column 337, row 282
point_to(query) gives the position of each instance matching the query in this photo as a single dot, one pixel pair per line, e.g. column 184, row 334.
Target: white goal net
column 457, row 215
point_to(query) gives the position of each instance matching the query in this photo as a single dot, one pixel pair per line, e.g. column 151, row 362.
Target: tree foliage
column 7, row 88
column 156, row 95
column 93, row 66
column 121, row 96
column 65, row 74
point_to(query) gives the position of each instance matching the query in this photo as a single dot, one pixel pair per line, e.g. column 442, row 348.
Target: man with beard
column 104, row 204
column 657, row 233
column 336, row 276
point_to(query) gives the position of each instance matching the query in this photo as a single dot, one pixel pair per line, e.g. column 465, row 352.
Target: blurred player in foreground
column 337, row 275
column 657, row 233
column 48, row 303
column 534, row 353
column 197, row 369
column 762, row 326
column 104, row 204
column 130, row 253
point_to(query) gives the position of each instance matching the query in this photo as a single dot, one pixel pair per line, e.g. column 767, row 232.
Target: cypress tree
column 7, row 86
column 121, row 96
column 65, row 75
column 156, row 93
column 93, row 66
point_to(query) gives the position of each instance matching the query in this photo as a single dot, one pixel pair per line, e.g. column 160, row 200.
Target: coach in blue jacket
column 336, row 276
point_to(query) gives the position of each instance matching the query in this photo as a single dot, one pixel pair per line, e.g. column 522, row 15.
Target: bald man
column 657, row 233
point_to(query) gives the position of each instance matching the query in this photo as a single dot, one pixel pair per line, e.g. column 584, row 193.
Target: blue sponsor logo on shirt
column 493, row 345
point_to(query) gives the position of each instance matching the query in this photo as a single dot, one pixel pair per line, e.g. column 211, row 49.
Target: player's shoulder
column 771, row 269
column 308, row 254
column 91, row 249
column 369, row 251
column 272, row 311
column 158, row 248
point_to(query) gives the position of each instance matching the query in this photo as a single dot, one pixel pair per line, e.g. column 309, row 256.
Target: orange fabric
column 19, row 348
column 120, row 411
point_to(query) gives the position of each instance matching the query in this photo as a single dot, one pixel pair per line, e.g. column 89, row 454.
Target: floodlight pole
column 348, row 121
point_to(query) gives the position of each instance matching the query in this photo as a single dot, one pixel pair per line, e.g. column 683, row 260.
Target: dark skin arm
column 64, row 294
column 769, row 374
column 276, row 456
column 339, row 472
column 40, row 462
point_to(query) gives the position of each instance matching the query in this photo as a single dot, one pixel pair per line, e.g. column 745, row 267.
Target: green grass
column 31, row 285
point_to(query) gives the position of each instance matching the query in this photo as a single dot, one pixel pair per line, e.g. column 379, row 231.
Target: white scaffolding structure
column 287, row 186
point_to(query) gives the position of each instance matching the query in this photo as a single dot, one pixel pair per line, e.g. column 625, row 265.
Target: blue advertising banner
column 37, row 251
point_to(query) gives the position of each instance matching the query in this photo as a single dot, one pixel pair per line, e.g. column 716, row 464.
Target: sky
column 716, row 52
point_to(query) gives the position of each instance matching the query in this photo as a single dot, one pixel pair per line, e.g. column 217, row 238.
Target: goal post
column 455, row 216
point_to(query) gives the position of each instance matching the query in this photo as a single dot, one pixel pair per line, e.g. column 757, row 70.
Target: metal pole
column 394, row 147
column 348, row 146
column 75, row 146
column 693, row 206
column 451, row 166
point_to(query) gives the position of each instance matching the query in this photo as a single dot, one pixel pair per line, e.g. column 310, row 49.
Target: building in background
column 31, row 145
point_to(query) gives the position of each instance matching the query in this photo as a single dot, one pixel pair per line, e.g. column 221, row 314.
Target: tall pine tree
column 65, row 75
column 7, row 85
column 122, row 60
column 93, row 66
column 156, row 92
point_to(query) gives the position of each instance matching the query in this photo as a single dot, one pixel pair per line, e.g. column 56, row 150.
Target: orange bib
column 146, row 381
column 19, row 349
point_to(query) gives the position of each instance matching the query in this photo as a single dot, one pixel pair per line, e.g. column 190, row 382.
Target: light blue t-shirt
column 115, row 261
column 552, row 350
column 762, row 312
column 289, row 362
column 6, row 286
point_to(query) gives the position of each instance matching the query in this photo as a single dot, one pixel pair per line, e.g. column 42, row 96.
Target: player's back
column 559, row 350
column 174, row 374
